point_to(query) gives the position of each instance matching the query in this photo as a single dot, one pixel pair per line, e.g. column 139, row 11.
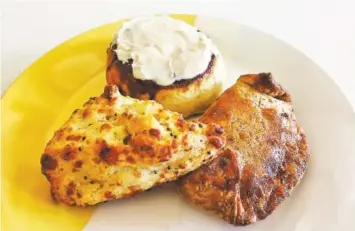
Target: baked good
column 117, row 146
column 265, row 156
column 166, row 60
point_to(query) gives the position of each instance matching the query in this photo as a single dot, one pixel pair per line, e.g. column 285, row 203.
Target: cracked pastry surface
column 265, row 157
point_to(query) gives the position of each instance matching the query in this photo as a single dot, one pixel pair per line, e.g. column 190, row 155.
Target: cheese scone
column 117, row 146
column 265, row 156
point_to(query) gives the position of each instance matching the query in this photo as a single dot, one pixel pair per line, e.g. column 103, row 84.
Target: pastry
column 117, row 146
column 265, row 157
column 167, row 60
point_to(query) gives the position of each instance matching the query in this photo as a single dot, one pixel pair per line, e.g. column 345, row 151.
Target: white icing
column 163, row 49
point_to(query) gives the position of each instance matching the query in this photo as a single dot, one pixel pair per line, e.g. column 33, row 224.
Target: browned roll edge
column 121, row 74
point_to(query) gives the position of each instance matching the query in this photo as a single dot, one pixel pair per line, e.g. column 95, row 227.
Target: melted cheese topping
column 117, row 146
column 163, row 49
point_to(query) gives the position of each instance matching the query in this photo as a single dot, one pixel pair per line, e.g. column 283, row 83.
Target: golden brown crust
column 195, row 94
column 136, row 87
column 117, row 146
column 265, row 156
column 265, row 83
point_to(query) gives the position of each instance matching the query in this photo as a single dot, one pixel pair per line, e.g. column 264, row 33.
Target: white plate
column 324, row 201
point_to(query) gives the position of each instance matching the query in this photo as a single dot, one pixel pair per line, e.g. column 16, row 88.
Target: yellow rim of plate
column 35, row 105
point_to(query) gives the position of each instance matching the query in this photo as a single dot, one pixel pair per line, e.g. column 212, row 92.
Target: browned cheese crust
column 117, row 146
column 265, row 157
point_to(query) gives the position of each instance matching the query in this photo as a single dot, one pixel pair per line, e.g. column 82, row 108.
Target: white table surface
column 322, row 29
